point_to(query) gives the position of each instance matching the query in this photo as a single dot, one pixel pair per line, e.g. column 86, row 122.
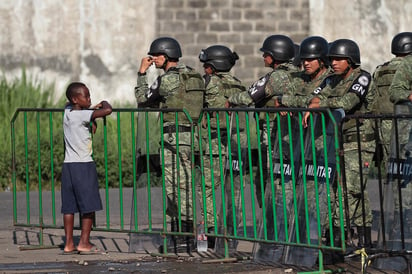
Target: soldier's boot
column 332, row 256
column 179, row 244
column 364, row 236
column 186, row 243
column 210, row 239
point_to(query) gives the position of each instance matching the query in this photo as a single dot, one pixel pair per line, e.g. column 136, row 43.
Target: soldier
column 382, row 78
column 401, row 92
column 312, row 55
column 401, row 86
column 171, row 91
column 347, row 89
column 398, row 188
column 217, row 61
column 278, row 51
column 315, row 64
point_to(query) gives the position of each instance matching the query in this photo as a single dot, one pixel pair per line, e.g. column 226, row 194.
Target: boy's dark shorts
column 80, row 188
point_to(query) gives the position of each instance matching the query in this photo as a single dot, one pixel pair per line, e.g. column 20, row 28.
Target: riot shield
column 395, row 238
column 314, row 190
column 148, row 175
column 240, row 139
column 280, row 203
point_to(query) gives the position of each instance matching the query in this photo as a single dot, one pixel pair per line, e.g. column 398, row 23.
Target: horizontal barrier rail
column 254, row 175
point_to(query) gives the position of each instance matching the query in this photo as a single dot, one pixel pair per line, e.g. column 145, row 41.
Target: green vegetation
column 22, row 92
column 33, row 163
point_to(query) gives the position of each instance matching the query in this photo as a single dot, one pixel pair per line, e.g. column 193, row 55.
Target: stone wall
column 101, row 42
column 239, row 24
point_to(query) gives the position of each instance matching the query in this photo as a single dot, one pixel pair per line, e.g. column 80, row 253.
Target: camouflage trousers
column 178, row 181
column 360, row 213
column 212, row 177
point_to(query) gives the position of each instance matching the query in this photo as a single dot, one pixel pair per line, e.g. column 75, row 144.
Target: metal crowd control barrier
column 388, row 192
column 255, row 176
column 291, row 174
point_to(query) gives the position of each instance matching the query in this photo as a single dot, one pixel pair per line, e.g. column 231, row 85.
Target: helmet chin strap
column 346, row 70
column 165, row 62
column 312, row 75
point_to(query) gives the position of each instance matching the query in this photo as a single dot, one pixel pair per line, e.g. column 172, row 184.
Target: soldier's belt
column 173, row 129
column 362, row 138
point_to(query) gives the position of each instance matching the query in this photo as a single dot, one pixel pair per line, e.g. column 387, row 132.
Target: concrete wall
column 101, row 42
column 95, row 41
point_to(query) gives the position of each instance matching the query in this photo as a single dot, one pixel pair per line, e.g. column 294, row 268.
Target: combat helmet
column 402, row 43
column 345, row 48
column 314, row 47
column 279, row 47
column 221, row 58
column 167, row 46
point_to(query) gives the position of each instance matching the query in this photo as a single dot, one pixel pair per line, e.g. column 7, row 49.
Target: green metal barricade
column 255, row 176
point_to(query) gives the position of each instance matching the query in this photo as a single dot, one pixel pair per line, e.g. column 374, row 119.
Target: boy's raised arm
column 102, row 109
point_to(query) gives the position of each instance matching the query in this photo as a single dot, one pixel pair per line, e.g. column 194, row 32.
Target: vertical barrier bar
column 39, row 179
column 119, row 149
column 52, row 168
column 26, row 155
column 106, row 173
column 13, row 163
column 133, row 142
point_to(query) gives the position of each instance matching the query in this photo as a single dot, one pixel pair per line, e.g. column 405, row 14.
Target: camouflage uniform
column 177, row 171
column 401, row 86
column 219, row 87
column 338, row 93
column 399, row 91
column 276, row 83
column 381, row 81
column 153, row 119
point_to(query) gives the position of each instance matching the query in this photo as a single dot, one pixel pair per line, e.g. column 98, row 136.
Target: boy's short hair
column 73, row 88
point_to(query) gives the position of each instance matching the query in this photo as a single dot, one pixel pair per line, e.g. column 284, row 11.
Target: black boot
column 332, row 256
column 180, row 244
column 211, row 240
column 364, row 236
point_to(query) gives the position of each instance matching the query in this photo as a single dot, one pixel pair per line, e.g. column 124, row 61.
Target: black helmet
column 345, row 48
column 167, row 46
column 314, row 47
column 402, row 43
column 280, row 47
column 221, row 58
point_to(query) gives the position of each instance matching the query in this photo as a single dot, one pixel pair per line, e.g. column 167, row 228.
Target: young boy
column 80, row 188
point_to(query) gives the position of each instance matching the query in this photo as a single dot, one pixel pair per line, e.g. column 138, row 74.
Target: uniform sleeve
column 347, row 102
column 141, row 89
column 213, row 94
column 400, row 88
column 371, row 96
column 279, row 84
column 242, row 98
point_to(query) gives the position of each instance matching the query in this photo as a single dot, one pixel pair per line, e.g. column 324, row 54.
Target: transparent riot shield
column 395, row 237
column 148, row 176
column 240, row 139
column 314, row 189
column 280, row 203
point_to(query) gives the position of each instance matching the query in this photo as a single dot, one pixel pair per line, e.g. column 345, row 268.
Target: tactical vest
column 382, row 80
column 189, row 95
